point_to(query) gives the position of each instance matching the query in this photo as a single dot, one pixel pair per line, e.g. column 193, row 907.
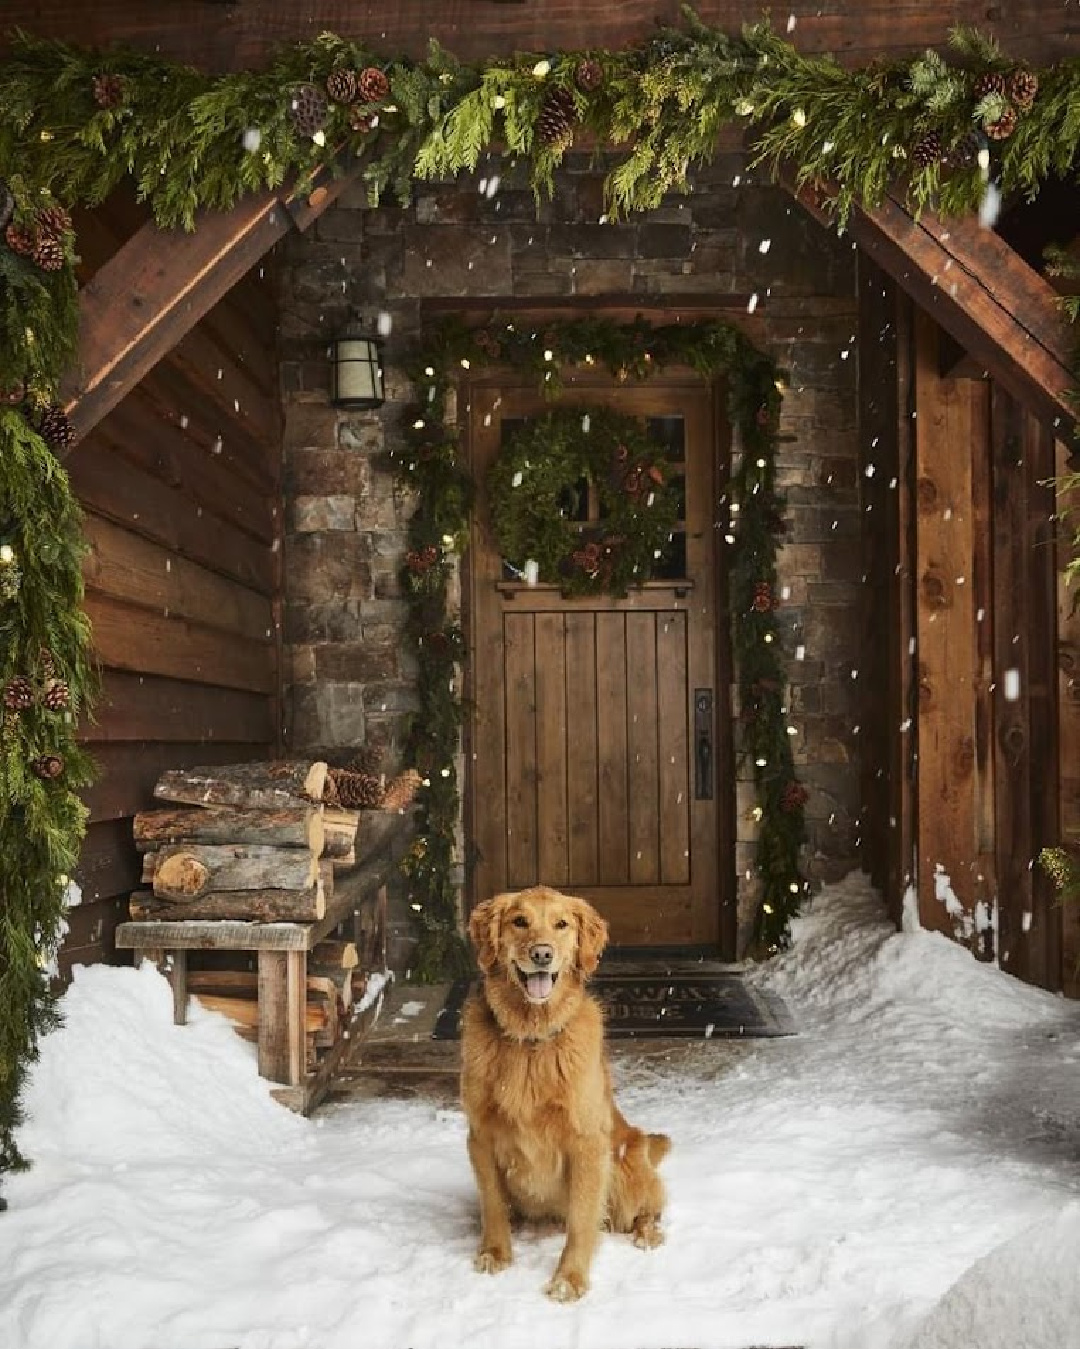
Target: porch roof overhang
column 981, row 292
column 160, row 283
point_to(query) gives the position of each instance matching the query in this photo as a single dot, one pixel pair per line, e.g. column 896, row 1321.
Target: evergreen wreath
column 538, row 486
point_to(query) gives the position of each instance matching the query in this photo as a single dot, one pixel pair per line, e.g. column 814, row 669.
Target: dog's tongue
column 539, row 984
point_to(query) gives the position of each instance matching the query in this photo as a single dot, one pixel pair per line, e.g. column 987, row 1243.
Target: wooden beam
column 982, row 293
column 162, row 282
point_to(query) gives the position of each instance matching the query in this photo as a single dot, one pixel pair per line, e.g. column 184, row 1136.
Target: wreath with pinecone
column 538, row 491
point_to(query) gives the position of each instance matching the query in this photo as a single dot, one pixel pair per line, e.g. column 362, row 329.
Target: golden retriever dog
column 546, row 1139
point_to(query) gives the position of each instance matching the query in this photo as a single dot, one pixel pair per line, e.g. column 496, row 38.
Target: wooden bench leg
column 282, row 1008
column 178, row 978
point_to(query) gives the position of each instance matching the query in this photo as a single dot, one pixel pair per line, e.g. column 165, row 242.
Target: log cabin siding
column 180, row 486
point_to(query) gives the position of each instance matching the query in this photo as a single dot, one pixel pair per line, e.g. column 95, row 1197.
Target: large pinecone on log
column 341, row 85
column 1021, row 87
column 308, row 109
column 18, row 694
column 373, row 85
column 555, row 124
column 54, row 427
column 928, row 150
column 1005, row 125
column 357, row 791
column 108, row 90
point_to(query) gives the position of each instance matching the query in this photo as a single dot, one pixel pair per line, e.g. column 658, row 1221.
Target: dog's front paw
column 648, row 1234
column 491, row 1259
column 567, row 1286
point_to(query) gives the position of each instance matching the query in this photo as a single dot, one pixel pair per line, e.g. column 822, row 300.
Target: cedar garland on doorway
column 750, row 520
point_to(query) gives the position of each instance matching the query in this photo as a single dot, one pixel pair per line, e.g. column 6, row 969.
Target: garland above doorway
column 429, row 462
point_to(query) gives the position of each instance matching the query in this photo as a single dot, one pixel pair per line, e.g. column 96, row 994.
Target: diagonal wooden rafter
column 158, row 286
column 980, row 291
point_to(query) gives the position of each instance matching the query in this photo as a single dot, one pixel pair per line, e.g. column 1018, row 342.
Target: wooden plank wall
column 180, row 486
column 964, row 576
column 886, row 456
column 1068, row 746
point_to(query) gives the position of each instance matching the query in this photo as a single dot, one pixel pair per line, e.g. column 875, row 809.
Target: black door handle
column 703, row 744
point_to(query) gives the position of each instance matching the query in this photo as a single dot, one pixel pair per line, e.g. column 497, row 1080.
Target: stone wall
column 351, row 680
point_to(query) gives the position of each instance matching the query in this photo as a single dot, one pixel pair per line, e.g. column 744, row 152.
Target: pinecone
column 54, row 427
column 308, row 109
column 48, row 252
column 367, row 759
column 341, row 85
column 589, row 75
column 108, row 90
column 20, row 239
column 361, row 120
column 400, row 793
column 794, row 797
column 1005, row 125
column 357, row 791
column 1021, row 87
column 57, row 695
column 928, row 150
column 19, row 694
column 373, row 85
column 992, row 82
column 54, row 221
column 555, row 124
column 47, row 766
column 966, row 150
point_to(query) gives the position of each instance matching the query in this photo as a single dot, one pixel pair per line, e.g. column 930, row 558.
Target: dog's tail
column 659, row 1146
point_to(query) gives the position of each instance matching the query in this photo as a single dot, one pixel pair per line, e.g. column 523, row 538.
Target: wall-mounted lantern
column 356, row 369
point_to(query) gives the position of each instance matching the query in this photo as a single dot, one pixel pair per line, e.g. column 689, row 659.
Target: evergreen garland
column 74, row 122
column 429, row 462
column 534, row 488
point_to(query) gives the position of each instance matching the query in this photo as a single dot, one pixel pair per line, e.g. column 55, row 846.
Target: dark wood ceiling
column 220, row 35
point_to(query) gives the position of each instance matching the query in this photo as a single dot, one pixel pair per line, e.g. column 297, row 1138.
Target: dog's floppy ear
column 485, row 927
column 592, row 936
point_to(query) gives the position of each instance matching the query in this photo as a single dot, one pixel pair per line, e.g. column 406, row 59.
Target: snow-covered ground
column 903, row 1175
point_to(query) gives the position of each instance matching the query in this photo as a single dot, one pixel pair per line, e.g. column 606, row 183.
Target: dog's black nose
column 541, row 955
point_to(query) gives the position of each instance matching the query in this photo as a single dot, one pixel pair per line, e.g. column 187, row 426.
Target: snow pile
column 902, row 1175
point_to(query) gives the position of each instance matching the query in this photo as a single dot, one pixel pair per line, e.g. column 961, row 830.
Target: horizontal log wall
column 241, row 36
column 180, row 486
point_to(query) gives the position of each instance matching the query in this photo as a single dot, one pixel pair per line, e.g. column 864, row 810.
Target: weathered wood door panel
column 584, row 729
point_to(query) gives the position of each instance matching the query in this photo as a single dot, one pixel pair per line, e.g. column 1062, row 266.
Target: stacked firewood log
column 259, row 842
column 248, row 842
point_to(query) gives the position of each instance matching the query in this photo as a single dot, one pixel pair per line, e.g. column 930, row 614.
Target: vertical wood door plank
column 643, row 793
column 1068, row 746
column 673, row 747
column 612, row 749
column 553, row 863
column 581, row 751
column 520, row 666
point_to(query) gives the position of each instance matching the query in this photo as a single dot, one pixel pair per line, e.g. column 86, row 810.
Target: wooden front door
column 593, row 725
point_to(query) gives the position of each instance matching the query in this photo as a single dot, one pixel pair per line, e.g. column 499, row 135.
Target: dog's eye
column 562, row 923
column 521, row 922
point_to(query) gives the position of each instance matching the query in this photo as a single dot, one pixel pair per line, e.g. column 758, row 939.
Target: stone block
column 335, row 620
column 313, row 472
column 453, row 260
column 599, row 276
column 362, row 431
column 321, row 567
column 663, row 241
column 327, row 717
column 307, row 426
column 356, row 663
column 322, row 514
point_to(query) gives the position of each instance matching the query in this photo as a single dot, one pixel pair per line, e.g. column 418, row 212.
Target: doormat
column 688, row 1006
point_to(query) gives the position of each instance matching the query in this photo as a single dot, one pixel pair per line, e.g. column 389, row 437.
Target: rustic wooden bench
column 282, row 973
